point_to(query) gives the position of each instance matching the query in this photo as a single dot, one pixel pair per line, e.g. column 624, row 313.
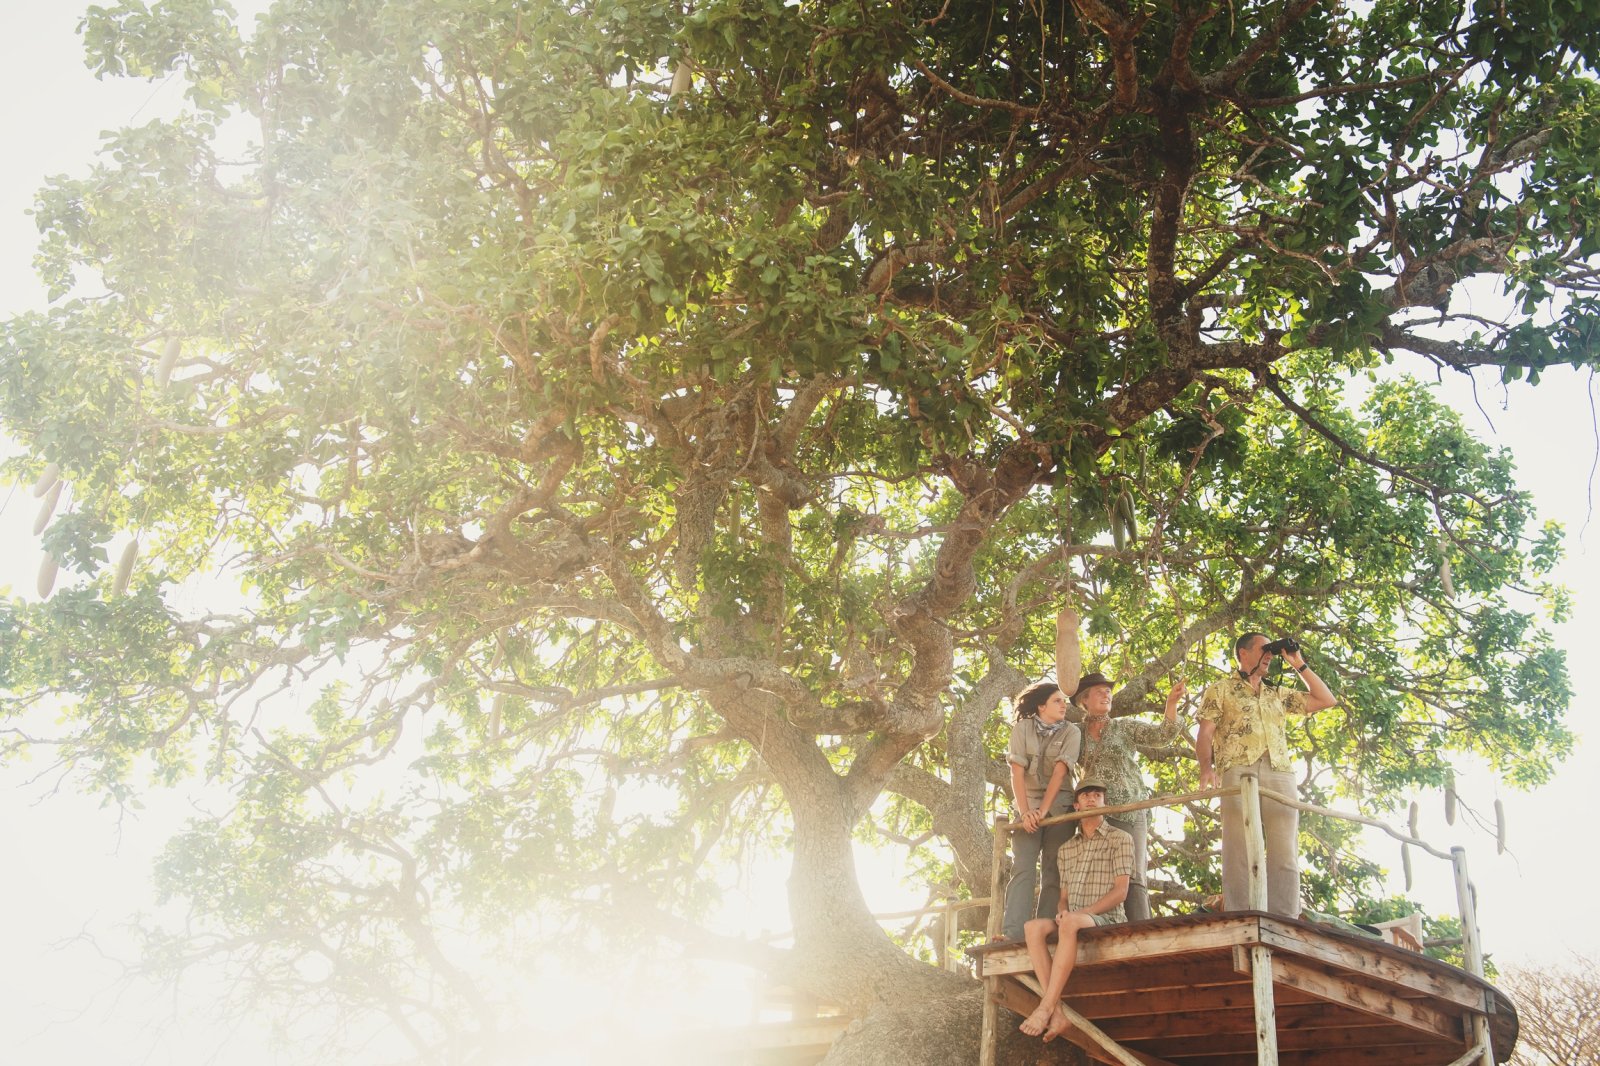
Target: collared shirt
column 1113, row 761
column 1090, row 865
column 1249, row 725
column 1038, row 755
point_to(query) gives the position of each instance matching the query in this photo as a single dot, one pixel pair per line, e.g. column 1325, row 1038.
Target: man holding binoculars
column 1242, row 727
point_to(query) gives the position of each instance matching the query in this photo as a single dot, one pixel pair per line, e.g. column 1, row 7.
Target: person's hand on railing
column 1209, row 777
column 1030, row 821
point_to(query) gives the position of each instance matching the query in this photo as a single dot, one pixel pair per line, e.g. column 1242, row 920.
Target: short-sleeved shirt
column 1249, row 725
column 1038, row 754
column 1113, row 760
column 1090, row 865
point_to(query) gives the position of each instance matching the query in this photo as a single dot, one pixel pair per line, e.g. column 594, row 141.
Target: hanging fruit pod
column 1405, row 863
column 48, row 477
column 119, row 584
column 1125, row 509
column 1411, row 822
column 47, row 509
column 1499, row 828
column 47, row 575
column 496, row 714
column 169, row 360
column 1450, row 799
column 682, row 78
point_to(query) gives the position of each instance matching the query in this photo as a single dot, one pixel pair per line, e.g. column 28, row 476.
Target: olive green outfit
column 1038, row 755
column 1113, row 761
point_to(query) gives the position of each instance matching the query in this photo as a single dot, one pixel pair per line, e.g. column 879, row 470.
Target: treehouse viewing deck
column 1183, row 990
column 1216, row 989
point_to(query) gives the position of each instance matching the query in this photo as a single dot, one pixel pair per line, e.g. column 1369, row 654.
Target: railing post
column 991, row 985
column 1255, row 842
column 1471, row 949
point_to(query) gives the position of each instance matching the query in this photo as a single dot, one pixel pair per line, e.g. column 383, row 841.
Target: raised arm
column 1167, row 730
column 1069, row 660
column 1318, row 696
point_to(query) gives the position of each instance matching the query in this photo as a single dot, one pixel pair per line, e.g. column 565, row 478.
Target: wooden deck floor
column 1178, row 991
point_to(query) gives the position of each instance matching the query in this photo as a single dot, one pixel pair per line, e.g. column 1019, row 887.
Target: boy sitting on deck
column 1096, row 866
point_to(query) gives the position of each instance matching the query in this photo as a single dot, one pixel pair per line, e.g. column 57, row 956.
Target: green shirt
column 1113, row 760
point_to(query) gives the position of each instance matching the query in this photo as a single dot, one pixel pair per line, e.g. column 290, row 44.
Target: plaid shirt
column 1090, row 866
column 1249, row 725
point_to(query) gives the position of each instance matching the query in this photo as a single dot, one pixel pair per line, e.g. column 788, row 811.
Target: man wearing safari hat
column 1095, row 868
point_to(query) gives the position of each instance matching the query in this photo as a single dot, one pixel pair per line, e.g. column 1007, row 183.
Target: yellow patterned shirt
column 1249, row 725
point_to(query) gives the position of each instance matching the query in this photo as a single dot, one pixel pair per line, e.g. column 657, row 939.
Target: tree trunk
column 841, row 953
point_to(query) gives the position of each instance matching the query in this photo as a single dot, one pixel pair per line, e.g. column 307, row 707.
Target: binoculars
column 1281, row 645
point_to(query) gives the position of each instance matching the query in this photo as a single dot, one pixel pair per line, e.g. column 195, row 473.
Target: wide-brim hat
column 1089, row 681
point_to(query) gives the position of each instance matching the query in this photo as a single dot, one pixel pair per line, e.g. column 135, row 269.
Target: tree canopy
column 570, row 443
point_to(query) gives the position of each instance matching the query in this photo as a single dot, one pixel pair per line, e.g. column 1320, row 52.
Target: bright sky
column 77, row 872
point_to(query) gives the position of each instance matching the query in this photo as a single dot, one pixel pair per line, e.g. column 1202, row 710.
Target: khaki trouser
column 1280, row 826
column 1030, row 852
column 1138, row 902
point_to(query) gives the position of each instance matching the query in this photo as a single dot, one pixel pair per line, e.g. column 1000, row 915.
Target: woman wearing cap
column 1043, row 747
column 1109, row 753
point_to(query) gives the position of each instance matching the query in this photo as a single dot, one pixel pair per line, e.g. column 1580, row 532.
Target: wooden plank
column 1367, row 1056
column 1013, row 996
column 1414, row 1014
column 1143, row 940
column 1380, row 962
column 1107, row 1049
column 1417, row 1055
column 1138, row 1003
column 1331, row 1039
column 1155, row 975
column 1235, row 1020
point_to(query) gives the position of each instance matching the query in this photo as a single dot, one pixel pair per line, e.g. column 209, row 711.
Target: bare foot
column 1058, row 1025
column 1034, row 1024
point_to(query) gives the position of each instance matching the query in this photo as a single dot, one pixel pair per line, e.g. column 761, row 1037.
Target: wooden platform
column 1179, row 991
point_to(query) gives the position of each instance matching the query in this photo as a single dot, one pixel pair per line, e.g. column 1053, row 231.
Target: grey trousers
column 1138, row 902
column 1280, row 826
column 1030, row 851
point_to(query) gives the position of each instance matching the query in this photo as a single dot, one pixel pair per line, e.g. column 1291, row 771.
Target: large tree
column 602, row 400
